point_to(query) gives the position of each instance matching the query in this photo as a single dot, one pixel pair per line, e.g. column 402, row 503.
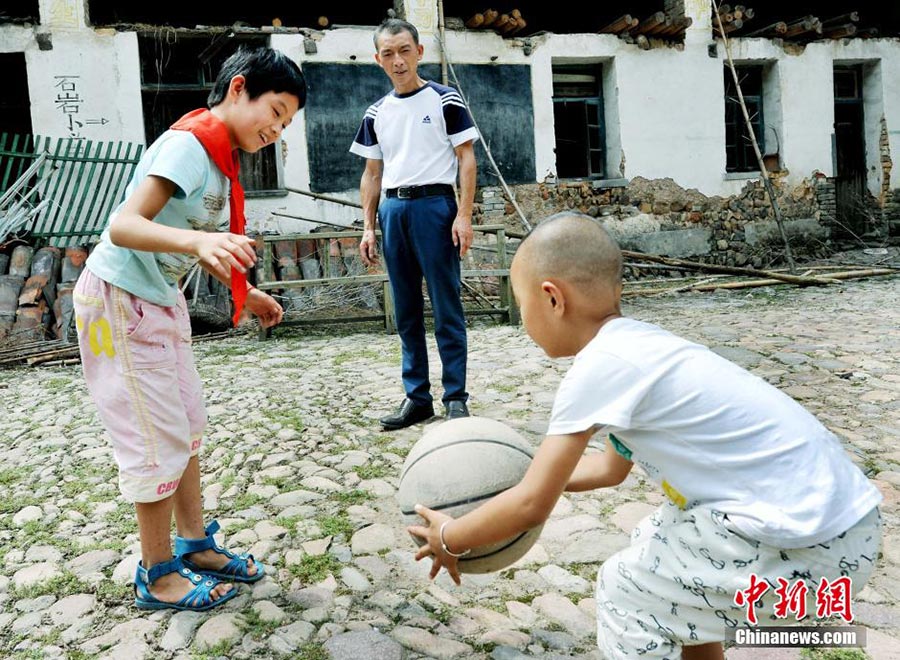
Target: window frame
column 740, row 158
column 590, row 130
column 261, row 172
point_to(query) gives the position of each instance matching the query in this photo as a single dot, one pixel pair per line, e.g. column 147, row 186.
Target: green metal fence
column 83, row 179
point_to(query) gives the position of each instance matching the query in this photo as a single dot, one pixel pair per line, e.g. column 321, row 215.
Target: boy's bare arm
column 599, row 470
column 131, row 228
column 520, row 508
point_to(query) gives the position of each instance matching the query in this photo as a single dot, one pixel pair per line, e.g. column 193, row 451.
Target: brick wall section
column 826, row 200
column 892, row 211
column 889, row 199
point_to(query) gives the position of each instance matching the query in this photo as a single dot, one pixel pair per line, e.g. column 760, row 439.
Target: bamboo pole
column 750, row 284
column 732, row 270
column 764, row 175
column 440, row 9
column 324, row 198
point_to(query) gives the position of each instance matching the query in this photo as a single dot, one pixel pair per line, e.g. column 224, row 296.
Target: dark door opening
column 15, row 103
column 850, row 152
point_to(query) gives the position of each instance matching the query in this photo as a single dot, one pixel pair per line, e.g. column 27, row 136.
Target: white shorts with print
column 675, row 584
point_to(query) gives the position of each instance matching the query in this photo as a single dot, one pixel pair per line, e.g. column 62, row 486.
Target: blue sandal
column 197, row 599
column 235, row 570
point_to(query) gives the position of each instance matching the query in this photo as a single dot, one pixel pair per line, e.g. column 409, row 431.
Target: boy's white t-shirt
column 200, row 203
column 713, row 435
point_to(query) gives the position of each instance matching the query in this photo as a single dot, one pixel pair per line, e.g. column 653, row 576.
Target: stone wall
column 661, row 217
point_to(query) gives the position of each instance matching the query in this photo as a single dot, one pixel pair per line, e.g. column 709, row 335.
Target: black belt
column 412, row 192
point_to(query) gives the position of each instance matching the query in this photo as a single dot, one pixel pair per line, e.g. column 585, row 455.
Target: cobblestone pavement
column 298, row 473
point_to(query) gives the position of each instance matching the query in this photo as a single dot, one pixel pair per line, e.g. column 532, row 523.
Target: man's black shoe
column 407, row 414
column 456, row 409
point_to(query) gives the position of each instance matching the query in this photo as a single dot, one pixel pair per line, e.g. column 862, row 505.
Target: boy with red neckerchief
column 183, row 206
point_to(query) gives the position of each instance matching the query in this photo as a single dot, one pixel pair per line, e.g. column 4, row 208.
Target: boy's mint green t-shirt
column 200, row 202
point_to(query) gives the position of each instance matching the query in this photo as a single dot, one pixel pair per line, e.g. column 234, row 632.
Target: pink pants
column 139, row 368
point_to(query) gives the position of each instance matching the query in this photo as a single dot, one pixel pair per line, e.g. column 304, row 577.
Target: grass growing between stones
column 60, row 586
column 245, row 501
column 312, row 651
column 12, row 503
column 315, row 568
column 352, row 497
column 366, row 472
column 252, row 623
column 220, row 650
column 833, row 654
column 339, row 524
column 113, row 593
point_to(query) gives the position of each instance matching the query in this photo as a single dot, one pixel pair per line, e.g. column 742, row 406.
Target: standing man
column 414, row 140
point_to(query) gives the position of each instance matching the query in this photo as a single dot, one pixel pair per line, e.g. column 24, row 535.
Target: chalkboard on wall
column 499, row 96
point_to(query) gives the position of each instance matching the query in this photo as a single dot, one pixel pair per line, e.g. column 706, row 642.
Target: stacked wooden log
column 658, row 25
column 504, row 24
column 732, row 18
column 805, row 28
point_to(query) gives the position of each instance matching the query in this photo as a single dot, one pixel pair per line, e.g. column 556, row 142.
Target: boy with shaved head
column 764, row 506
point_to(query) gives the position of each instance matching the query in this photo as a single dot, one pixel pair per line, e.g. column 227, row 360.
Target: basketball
column 457, row 466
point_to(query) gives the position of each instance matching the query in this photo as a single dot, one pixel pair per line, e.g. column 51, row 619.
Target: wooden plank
column 390, row 323
column 322, row 281
column 356, row 233
column 97, row 184
column 83, row 184
column 111, row 190
column 125, row 173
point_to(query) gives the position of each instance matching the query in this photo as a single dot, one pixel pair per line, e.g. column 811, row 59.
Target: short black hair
column 265, row 70
column 395, row 26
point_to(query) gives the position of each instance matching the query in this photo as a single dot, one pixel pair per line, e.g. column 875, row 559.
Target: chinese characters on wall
column 69, row 103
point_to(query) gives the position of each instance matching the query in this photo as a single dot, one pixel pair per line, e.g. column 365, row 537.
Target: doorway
column 850, row 152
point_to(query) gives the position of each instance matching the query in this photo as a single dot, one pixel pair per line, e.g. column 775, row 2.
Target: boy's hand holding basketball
column 431, row 534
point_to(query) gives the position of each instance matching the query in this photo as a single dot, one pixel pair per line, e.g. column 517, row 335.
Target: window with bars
column 578, row 121
column 739, row 156
column 177, row 74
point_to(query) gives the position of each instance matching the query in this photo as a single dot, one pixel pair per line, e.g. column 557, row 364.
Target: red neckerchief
column 213, row 135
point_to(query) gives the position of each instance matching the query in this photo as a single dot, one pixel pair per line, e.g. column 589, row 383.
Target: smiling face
column 257, row 123
column 399, row 55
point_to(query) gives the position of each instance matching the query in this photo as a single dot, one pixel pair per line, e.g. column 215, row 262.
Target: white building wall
column 87, row 86
column 664, row 107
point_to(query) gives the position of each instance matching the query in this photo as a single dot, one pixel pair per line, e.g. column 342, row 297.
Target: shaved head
column 575, row 248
